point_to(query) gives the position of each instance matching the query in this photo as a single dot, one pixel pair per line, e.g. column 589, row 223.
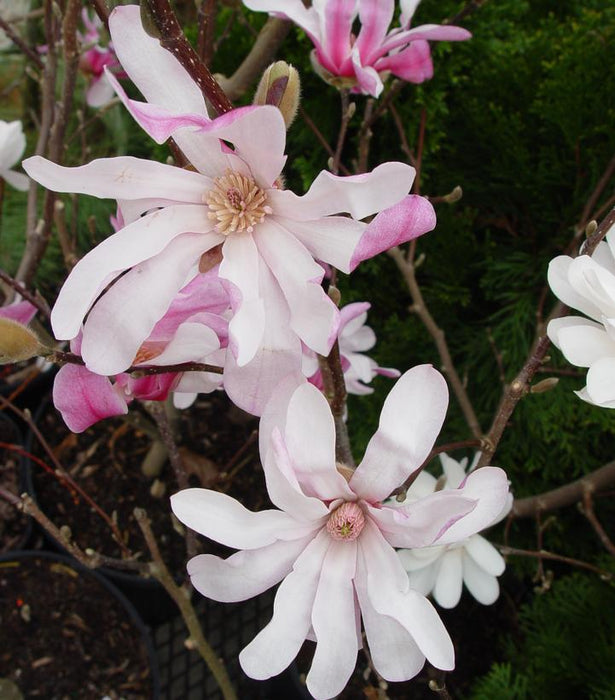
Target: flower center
column 346, row 522
column 236, row 203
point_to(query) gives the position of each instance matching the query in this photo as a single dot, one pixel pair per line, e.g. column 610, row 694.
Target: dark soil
column 14, row 527
column 64, row 635
column 219, row 448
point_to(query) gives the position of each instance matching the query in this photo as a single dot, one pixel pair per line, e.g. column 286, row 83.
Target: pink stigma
column 346, row 522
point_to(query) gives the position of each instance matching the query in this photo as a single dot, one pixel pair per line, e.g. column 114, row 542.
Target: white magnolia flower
column 588, row 284
column 442, row 570
column 12, row 146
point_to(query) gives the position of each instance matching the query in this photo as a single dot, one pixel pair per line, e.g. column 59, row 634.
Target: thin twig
column 21, row 44
column 595, row 195
column 321, row 139
column 34, row 299
column 588, row 511
column 407, row 269
column 543, row 554
column 160, row 572
column 341, row 138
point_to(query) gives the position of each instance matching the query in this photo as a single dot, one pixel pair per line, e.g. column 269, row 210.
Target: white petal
column 19, row 181
column 410, row 421
column 582, row 341
column 454, row 472
column 447, row 590
column 484, row 587
column 601, row 381
column 485, row 555
column 559, row 281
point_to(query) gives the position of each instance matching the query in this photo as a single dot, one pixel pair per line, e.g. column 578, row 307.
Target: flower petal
column 310, row 439
column 449, row 581
column 582, row 341
column 244, row 574
column 375, row 16
column 411, row 217
column 84, row 398
column 601, row 381
column 484, row 587
column 558, row 276
column 358, row 195
column 225, row 520
column 17, row 180
column 485, row 555
column 412, row 64
column 122, row 319
column 410, row 421
column 272, row 650
column 334, row 620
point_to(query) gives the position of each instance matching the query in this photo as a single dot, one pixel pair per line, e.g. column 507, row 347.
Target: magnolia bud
column 280, row 87
column 454, row 195
column 544, row 385
column 17, row 342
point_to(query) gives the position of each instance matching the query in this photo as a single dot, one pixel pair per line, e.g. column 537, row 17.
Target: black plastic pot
column 10, row 434
column 149, row 598
column 30, row 622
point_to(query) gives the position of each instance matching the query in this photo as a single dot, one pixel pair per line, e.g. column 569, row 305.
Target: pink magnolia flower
column 443, row 570
column 331, row 543
column 354, row 339
column 192, row 330
column 232, row 207
column 12, row 146
column 363, row 61
column 95, row 59
column 20, row 311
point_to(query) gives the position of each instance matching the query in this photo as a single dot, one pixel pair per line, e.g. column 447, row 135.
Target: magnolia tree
column 220, row 277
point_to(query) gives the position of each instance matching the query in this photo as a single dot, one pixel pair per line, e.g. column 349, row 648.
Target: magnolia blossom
column 95, row 59
column 12, row 146
column 232, row 208
column 192, row 330
column 588, row 284
column 354, row 339
column 331, row 543
column 442, row 570
column 20, row 311
column 362, row 62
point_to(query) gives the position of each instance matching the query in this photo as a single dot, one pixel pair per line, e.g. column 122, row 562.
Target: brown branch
column 173, row 40
column 593, row 198
column 207, row 25
column 321, row 139
column 588, row 511
column 407, row 269
column 543, row 554
column 605, row 226
column 34, row 299
column 261, row 55
column 100, row 7
column 405, row 146
column 21, row 44
column 335, row 391
column 347, row 112
column 160, row 572
column 599, row 480
column 365, row 137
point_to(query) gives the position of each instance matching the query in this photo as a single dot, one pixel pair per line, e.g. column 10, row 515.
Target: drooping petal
column 100, row 91
column 272, row 650
column 192, row 342
column 449, row 580
column 225, row 520
column 453, row 471
column 427, row 32
column 489, row 487
column 483, row 586
column 411, row 217
column 558, row 276
column 357, row 195
column 393, row 651
column 390, row 594
column 84, row 398
column 294, row 10
column 124, row 178
column 368, row 79
column 244, row 574
column 334, row 620
column 412, row 64
column 313, row 316
column 275, row 412
column 17, row 180
column 601, row 381
column 410, row 421
column 310, row 439
column 125, row 315
column 485, row 555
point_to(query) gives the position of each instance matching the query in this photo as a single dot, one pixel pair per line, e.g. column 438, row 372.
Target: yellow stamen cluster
column 236, row 203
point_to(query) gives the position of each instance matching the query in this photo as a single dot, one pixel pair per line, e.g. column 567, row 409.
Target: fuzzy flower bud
column 17, row 342
column 281, row 88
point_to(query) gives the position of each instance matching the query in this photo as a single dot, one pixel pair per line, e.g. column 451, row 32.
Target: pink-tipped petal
column 84, row 398
column 375, row 16
column 410, row 421
column 411, row 217
column 413, row 64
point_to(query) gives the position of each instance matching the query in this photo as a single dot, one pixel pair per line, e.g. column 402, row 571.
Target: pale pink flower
column 12, row 146
column 354, row 339
column 192, row 330
column 331, row 543
column 443, row 570
column 20, row 311
column 234, row 205
column 588, row 284
column 362, row 62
